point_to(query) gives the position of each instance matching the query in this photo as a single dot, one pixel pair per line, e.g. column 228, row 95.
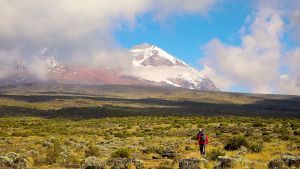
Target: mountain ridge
column 151, row 65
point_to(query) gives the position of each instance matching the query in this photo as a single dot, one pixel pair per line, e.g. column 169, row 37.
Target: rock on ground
column 225, row 162
column 191, row 163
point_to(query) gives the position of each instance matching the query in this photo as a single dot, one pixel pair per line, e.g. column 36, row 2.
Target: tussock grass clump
column 266, row 139
column 92, row 150
column 236, row 142
column 122, row 153
column 215, row 153
column 53, row 152
column 256, row 147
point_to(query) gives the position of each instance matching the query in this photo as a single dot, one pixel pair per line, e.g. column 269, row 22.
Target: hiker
column 202, row 140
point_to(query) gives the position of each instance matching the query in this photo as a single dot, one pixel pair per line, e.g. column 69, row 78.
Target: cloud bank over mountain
column 77, row 32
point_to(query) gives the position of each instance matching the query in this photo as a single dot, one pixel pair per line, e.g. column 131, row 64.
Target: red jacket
column 199, row 139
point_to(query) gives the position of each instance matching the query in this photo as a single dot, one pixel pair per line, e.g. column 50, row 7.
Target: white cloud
column 67, row 18
column 7, row 63
column 164, row 8
column 77, row 31
column 290, row 82
column 255, row 62
column 292, row 11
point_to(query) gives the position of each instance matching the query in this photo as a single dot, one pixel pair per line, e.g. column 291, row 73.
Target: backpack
column 203, row 137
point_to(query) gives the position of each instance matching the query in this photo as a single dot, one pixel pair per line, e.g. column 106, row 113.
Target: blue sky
column 187, row 36
column 184, row 35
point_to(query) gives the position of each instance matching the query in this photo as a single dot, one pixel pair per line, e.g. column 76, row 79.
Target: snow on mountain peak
column 51, row 62
column 154, row 64
column 151, row 55
column 53, row 66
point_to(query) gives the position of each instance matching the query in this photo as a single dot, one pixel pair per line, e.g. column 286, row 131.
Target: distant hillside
column 145, row 100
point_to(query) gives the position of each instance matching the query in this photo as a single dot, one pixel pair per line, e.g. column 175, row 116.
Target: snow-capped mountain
column 154, row 64
column 150, row 66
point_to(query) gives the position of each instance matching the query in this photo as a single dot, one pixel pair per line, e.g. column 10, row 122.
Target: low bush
column 122, row 153
column 266, row 139
column 256, row 147
column 53, row 152
column 236, row 142
column 92, row 150
column 215, row 153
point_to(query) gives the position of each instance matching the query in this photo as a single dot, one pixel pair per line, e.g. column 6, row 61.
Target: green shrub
column 122, row 153
column 53, row 153
column 215, row 153
column 92, row 150
column 256, row 147
column 266, row 139
column 284, row 137
column 3, row 134
column 236, row 142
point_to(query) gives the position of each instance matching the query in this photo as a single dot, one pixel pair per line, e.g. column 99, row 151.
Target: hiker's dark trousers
column 202, row 149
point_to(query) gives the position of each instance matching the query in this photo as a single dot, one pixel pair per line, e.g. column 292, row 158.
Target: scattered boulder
column 124, row 163
column 192, row 163
column 14, row 160
column 169, row 154
column 225, row 162
column 291, row 161
column 243, row 149
column 284, row 162
column 139, row 164
column 46, row 143
column 276, row 164
column 93, row 163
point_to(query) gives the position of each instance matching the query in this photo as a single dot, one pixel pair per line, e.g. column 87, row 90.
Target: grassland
column 42, row 127
column 59, row 143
